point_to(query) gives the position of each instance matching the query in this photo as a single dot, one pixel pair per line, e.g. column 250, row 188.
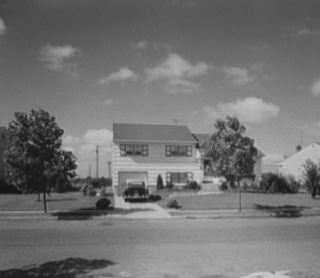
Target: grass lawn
column 57, row 201
column 229, row 200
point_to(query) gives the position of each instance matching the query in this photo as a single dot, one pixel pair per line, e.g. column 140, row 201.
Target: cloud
column 251, row 110
column 238, row 76
column 3, row 27
column 315, row 88
column 57, row 57
column 122, row 75
column 177, row 74
column 108, row 102
column 139, row 46
column 305, row 31
column 85, row 147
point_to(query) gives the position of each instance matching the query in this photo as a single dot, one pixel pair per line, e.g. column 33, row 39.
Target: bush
column 172, row 203
column 170, row 185
column 103, row 203
column 224, row 186
column 88, row 189
column 193, row 185
column 155, row 198
column 278, row 184
column 159, row 182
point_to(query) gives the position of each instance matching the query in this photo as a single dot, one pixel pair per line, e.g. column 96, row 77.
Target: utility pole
column 109, row 166
column 90, row 171
column 97, row 151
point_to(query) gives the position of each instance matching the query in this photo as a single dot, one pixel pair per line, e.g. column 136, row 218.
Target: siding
column 155, row 163
column 2, row 149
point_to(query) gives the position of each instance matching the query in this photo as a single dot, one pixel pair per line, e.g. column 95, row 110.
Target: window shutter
column 168, row 177
column 168, row 150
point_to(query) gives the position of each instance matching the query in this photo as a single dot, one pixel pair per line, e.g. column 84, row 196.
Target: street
column 158, row 248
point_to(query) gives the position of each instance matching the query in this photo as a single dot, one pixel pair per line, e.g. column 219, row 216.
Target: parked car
column 135, row 190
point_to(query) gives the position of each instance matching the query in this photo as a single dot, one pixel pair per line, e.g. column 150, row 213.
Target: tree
column 232, row 153
column 34, row 158
column 311, row 173
column 159, row 182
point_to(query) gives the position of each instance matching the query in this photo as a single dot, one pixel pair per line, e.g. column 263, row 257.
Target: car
column 135, row 190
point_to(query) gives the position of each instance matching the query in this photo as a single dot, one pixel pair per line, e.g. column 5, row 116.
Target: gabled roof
column 313, row 149
column 152, row 133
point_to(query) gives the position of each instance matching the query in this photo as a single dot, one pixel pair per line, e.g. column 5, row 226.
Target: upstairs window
column 133, row 150
column 175, row 150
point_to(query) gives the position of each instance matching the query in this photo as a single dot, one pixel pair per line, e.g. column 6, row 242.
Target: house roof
column 152, row 133
column 311, row 150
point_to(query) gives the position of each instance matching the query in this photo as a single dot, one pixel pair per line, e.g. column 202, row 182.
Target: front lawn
column 229, row 200
column 57, row 201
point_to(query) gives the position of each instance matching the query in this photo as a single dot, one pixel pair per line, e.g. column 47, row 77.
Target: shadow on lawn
column 282, row 211
column 89, row 213
column 67, row 268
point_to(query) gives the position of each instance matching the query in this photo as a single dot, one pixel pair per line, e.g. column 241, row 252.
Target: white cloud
column 122, row 75
column 238, row 76
column 3, row 27
column 57, row 57
column 139, row 46
column 305, row 31
column 315, row 88
column 177, row 73
column 85, row 147
column 108, row 102
column 251, row 110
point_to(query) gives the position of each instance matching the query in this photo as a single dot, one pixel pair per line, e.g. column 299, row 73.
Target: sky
column 94, row 63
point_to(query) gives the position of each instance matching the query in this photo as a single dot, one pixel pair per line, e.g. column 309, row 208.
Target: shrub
column 193, row 185
column 103, row 203
column 278, row 184
column 88, row 189
column 155, row 198
column 170, row 185
column 159, row 182
column 224, row 186
column 172, row 203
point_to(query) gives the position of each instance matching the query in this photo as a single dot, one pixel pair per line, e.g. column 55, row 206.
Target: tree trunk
column 314, row 192
column 39, row 195
column 239, row 189
column 45, row 197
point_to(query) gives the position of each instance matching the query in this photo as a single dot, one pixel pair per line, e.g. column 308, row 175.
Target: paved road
column 157, row 248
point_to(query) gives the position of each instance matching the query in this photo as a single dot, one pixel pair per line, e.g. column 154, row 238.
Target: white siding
column 155, row 163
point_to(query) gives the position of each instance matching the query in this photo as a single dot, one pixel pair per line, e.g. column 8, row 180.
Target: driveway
column 141, row 210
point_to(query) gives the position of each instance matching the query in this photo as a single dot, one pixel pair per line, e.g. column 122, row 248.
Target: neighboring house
column 2, row 149
column 142, row 151
column 293, row 165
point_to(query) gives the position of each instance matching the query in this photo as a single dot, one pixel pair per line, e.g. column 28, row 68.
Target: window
column 133, row 150
column 179, row 177
column 176, row 150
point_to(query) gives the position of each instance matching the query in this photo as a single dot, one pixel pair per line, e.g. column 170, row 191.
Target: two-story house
column 144, row 151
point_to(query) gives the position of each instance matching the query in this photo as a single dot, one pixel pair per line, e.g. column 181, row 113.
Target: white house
column 293, row 165
column 144, row 151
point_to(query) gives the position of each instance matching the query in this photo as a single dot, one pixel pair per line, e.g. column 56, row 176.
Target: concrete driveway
column 141, row 210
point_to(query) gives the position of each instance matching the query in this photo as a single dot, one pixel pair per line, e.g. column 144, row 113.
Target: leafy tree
column 311, row 173
column 34, row 158
column 232, row 153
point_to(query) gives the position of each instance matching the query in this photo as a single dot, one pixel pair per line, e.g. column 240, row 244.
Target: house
column 2, row 149
column 144, row 151
column 293, row 165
